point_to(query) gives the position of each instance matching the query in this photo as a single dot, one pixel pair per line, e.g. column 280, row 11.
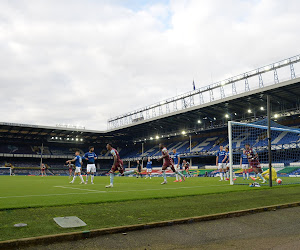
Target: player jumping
column 91, row 168
column 167, row 162
column 78, row 165
column 117, row 165
column 244, row 163
column 176, row 159
column 254, row 162
column 149, row 168
column 219, row 161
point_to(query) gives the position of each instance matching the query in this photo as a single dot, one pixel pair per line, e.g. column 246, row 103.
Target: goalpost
column 5, row 170
column 284, row 155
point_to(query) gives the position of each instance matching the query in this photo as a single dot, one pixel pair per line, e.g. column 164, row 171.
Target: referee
column 139, row 169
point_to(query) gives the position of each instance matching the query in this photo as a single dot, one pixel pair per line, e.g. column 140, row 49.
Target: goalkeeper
column 266, row 174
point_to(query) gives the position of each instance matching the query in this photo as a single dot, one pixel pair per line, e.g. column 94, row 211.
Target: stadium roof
column 285, row 100
column 25, row 132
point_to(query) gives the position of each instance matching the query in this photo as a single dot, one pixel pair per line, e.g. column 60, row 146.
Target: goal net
column 249, row 155
column 5, row 170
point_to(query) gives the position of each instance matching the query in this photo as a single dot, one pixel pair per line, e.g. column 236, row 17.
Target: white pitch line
column 40, row 195
column 96, row 191
column 156, row 189
column 82, row 189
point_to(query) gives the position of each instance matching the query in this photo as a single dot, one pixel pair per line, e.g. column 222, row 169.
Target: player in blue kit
column 244, row 163
column 78, row 165
column 91, row 167
column 219, row 161
column 176, row 160
column 149, row 168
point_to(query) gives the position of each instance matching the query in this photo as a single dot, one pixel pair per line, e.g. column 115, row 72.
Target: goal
column 285, row 152
column 5, row 170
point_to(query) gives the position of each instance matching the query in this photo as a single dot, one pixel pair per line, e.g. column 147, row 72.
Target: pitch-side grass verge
column 114, row 214
column 49, row 239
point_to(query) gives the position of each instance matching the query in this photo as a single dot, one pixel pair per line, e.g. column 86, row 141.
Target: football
column 279, row 181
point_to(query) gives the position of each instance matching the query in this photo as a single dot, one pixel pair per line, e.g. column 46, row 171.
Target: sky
column 82, row 62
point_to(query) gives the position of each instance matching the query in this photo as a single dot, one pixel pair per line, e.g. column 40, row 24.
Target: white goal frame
column 230, row 123
column 7, row 168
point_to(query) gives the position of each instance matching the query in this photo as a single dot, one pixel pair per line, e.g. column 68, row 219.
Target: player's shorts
column 245, row 166
column 221, row 165
column 168, row 163
column 149, row 170
column 228, row 165
column 176, row 166
column 186, row 168
column 91, row 168
column 255, row 164
column 77, row 169
column 117, row 167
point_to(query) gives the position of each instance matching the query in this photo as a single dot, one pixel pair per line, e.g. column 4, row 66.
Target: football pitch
column 36, row 200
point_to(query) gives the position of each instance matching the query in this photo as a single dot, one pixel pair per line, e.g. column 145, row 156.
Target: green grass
column 37, row 200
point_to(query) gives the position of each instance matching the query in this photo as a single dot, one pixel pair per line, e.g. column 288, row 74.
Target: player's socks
column 164, row 175
column 221, row 176
column 227, row 175
column 247, row 176
column 112, row 175
column 244, row 175
column 176, row 177
column 180, row 174
column 81, row 178
column 261, row 177
column 74, row 178
column 128, row 172
column 92, row 178
column 87, row 178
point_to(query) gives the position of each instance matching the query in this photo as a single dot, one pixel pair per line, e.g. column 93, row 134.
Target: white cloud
column 81, row 62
